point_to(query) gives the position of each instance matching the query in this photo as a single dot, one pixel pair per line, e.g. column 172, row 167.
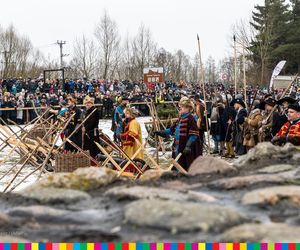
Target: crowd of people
column 236, row 120
column 35, row 93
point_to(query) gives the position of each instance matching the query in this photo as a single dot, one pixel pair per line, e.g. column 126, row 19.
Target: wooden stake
column 22, row 138
column 176, row 160
column 130, row 160
column 179, row 167
column 28, row 157
column 149, row 156
column 202, row 74
column 108, row 156
column 235, row 66
column 244, row 73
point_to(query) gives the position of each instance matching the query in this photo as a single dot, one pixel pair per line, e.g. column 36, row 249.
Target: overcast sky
column 173, row 23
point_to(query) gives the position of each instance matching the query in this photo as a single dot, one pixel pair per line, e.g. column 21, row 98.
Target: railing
column 80, row 105
column 27, row 115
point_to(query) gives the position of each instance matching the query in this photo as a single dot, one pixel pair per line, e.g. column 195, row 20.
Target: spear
column 204, row 93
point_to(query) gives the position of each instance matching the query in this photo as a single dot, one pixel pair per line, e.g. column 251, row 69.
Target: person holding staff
column 90, row 128
column 186, row 133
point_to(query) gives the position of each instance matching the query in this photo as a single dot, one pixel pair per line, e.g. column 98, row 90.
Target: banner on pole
column 276, row 72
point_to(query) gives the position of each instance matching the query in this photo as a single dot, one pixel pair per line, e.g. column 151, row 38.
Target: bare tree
column 17, row 54
column 246, row 35
column 144, row 50
column 108, row 37
column 85, row 56
column 211, row 75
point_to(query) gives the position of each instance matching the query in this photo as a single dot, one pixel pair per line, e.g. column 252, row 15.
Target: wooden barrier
column 81, row 105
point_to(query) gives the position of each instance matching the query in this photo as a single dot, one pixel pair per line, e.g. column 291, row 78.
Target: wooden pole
column 41, row 166
column 22, row 138
column 28, row 158
column 244, row 72
column 108, row 156
column 202, row 75
column 235, row 66
column 15, row 137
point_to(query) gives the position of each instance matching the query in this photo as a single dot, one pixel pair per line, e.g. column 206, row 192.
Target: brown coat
column 252, row 124
column 267, row 128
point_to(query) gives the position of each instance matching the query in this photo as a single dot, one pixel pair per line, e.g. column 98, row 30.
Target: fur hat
column 239, row 101
column 270, row 101
column 288, row 99
column 119, row 99
column 88, row 99
column 186, row 102
column 295, row 107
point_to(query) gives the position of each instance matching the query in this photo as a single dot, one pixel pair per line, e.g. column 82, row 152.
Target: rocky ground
column 257, row 198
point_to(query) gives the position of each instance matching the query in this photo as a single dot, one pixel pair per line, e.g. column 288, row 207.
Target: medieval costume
column 290, row 131
column 266, row 130
column 251, row 128
column 186, row 135
column 117, row 122
column 73, row 125
column 226, row 128
column 90, row 128
column 216, row 126
column 238, row 127
column 132, row 131
column 279, row 119
column 200, row 119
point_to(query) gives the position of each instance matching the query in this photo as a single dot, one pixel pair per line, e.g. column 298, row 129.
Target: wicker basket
column 69, row 162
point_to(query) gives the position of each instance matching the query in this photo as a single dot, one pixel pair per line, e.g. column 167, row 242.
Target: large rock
column 266, row 154
column 81, row 179
column 12, row 239
column 54, row 195
column 144, row 192
column 262, row 233
column 246, row 181
column 276, row 169
column 296, row 157
column 209, row 165
column 273, row 195
column 45, row 214
column 181, row 216
column 176, row 185
column 39, row 212
column 154, row 174
column 4, row 220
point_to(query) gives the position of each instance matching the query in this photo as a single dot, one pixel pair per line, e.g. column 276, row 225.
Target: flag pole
column 202, row 82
